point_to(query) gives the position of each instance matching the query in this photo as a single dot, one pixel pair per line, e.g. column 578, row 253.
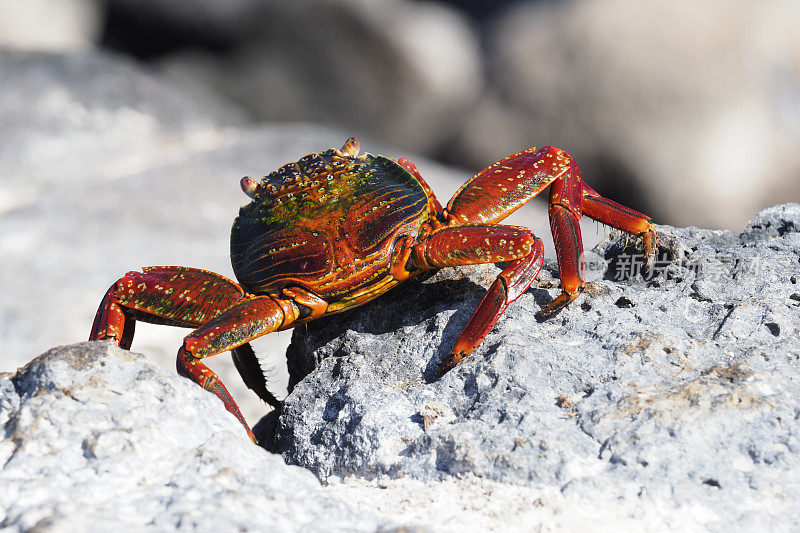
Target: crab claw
column 249, row 186
column 351, row 147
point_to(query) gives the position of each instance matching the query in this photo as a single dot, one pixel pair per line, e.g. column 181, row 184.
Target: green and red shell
column 327, row 223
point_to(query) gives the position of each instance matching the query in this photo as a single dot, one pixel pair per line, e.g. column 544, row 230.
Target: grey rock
column 689, row 108
column 99, row 438
column 676, row 391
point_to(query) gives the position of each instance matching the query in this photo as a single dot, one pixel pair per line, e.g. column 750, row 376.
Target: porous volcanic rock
column 99, row 438
column 676, row 391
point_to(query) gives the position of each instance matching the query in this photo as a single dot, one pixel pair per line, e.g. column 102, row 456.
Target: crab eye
column 249, row 186
column 351, row 147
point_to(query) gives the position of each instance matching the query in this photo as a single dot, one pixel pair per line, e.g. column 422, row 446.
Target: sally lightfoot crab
column 336, row 229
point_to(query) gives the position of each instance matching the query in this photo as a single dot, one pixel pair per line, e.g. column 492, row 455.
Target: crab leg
column 565, row 209
column 174, row 296
column 475, row 244
column 497, row 191
column 618, row 216
column 233, row 329
column 243, row 322
column 110, row 323
column 412, row 168
column 248, row 366
column 225, row 317
column 509, row 285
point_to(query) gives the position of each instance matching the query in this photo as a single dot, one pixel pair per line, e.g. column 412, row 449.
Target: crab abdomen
column 328, row 223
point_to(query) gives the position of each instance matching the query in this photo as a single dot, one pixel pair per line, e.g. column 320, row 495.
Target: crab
column 336, row 230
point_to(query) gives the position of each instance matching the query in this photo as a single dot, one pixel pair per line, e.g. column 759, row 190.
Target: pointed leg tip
column 649, row 263
column 555, row 307
column 441, row 370
column 447, row 365
column 650, row 252
column 547, row 312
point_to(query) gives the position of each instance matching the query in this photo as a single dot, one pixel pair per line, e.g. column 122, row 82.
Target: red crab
column 335, row 230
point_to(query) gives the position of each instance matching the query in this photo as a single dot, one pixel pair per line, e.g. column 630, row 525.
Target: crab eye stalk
column 351, row 147
column 249, row 186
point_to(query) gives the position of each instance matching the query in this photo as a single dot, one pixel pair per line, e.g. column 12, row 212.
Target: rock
column 380, row 68
column 100, row 438
column 689, row 107
column 675, row 395
column 49, row 24
column 95, row 437
column 85, row 116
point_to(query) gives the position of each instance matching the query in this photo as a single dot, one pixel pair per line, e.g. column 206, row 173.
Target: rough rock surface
column 98, row 438
column 677, row 395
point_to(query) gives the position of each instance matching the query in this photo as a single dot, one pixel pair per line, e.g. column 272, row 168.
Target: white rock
column 100, row 438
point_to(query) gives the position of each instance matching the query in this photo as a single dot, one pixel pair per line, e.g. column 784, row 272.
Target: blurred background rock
column 126, row 124
column 689, row 112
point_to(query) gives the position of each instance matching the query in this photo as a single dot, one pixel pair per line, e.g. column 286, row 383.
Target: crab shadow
column 418, row 301
column 415, row 302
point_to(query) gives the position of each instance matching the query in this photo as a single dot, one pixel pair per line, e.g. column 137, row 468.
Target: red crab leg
column 474, row 244
column 245, row 359
column 243, row 322
column 565, row 208
column 510, row 284
column 175, row 296
column 500, row 189
column 497, row 191
column 110, row 323
column 187, row 297
column 620, row 217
